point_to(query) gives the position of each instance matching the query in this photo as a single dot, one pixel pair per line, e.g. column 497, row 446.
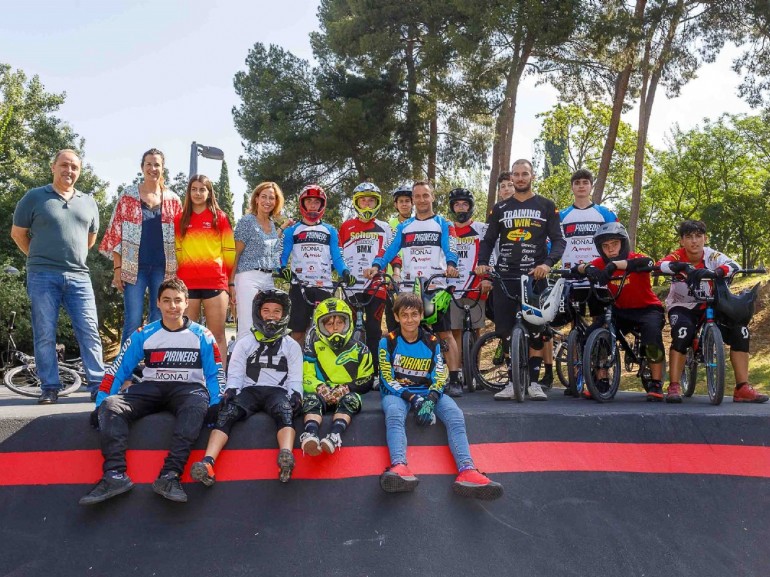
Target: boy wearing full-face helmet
column 469, row 234
column 362, row 239
column 264, row 374
column 337, row 370
column 637, row 307
column 311, row 249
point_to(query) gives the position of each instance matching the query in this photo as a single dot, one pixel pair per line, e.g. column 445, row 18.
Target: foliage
column 224, row 193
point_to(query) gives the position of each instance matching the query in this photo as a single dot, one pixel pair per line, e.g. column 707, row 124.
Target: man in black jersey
column 522, row 225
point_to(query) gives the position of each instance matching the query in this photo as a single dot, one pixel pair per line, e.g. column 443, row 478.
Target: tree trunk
column 412, row 113
column 433, row 146
column 621, row 88
column 649, row 86
column 503, row 139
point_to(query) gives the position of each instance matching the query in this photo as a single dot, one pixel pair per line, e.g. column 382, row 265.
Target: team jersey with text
column 427, row 247
column 312, row 250
column 187, row 355
column 266, row 364
column 469, row 237
column 361, row 242
column 416, row 367
column 679, row 295
column 579, row 226
column 352, row 366
column 523, row 229
column 637, row 290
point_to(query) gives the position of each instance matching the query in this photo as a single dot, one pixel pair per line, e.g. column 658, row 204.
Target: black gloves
column 426, row 413
column 286, row 274
column 348, row 278
column 680, row 267
column 596, row 276
column 695, row 276
column 94, row 419
column 296, row 402
column 227, row 397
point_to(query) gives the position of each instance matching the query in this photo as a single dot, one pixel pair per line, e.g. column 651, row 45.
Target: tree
column 224, row 194
column 573, row 137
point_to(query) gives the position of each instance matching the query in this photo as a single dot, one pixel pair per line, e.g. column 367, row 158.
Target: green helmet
column 328, row 308
column 434, row 302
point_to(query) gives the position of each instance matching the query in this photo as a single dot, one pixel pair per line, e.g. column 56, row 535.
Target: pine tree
column 224, row 194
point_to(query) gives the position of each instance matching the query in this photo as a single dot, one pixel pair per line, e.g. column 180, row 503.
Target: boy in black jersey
column 522, row 225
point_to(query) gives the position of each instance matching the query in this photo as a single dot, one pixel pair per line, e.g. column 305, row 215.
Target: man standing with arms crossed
column 55, row 225
column 523, row 224
column 428, row 244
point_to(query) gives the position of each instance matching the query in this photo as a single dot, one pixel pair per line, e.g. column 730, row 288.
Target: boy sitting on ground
column 264, row 374
column 413, row 376
column 182, row 374
column 337, row 371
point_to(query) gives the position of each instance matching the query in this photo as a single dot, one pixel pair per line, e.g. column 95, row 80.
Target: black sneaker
column 285, row 464
column 48, row 397
column 547, row 381
column 168, row 486
column 455, row 389
column 655, row 391
column 110, row 485
column 203, row 471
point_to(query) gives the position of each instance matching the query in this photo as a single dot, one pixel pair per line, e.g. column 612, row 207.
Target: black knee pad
column 350, row 404
column 283, row 414
column 654, row 354
column 312, row 405
column 228, row 416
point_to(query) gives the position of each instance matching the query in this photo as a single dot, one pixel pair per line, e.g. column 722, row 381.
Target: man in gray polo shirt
column 54, row 226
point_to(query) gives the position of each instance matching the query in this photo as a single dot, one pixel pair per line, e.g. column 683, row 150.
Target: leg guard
column 228, row 416
column 350, row 404
column 282, row 414
column 313, row 405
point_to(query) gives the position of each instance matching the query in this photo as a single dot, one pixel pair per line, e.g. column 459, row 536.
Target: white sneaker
column 506, row 394
column 536, row 392
column 310, row 444
column 331, row 443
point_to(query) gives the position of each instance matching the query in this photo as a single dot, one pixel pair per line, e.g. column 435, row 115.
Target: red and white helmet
column 312, row 191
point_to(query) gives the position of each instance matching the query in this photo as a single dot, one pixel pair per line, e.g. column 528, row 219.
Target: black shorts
column 504, row 308
column 203, row 294
column 260, row 398
column 301, row 312
column 648, row 321
column 684, row 325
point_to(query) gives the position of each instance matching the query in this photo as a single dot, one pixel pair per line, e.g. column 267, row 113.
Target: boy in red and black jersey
column 637, row 307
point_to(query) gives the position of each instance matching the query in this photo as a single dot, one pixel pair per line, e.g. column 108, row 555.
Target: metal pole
column 193, row 159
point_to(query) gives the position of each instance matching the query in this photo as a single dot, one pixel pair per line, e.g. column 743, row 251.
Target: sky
column 141, row 74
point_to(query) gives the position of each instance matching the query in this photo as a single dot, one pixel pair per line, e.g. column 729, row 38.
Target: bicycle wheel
column 598, row 360
column 519, row 362
column 469, row 339
column 574, row 353
column 489, row 362
column 24, row 381
column 714, row 361
column 689, row 378
column 561, row 358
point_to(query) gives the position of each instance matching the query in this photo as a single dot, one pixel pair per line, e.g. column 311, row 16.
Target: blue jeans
column 148, row 278
column 48, row 291
column 396, row 410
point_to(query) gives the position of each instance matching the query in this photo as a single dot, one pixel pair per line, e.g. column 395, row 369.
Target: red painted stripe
column 83, row 467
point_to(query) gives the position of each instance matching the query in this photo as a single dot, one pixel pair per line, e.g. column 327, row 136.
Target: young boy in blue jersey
column 311, row 249
column 412, row 377
column 182, row 374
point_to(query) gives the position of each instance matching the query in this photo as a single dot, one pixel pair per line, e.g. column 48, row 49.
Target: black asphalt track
column 550, row 524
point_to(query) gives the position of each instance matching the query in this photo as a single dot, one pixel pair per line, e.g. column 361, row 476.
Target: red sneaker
column 748, row 394
column 473, row 483
column 674, row 393
column 398, row 479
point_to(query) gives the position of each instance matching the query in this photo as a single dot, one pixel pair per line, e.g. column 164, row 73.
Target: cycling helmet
column 609, row 231
column 434, row 302
column 735, row 308
column 367, row 189
column 266, row 331
column 540, row 309
column 562, row 316
column 402, row 190
column 332, row 307
column 461, row 194
column 312, row 191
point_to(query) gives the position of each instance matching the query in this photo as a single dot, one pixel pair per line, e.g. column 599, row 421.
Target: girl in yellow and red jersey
column 205, row 253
